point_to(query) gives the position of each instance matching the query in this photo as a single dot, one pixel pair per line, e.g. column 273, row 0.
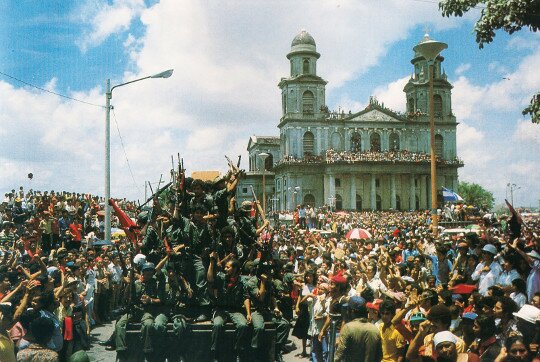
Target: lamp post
column 513, row 187
column 263, row 157
column 108, row 96
column 430, row 49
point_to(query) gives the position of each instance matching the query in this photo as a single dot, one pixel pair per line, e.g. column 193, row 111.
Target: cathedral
column 375, row 159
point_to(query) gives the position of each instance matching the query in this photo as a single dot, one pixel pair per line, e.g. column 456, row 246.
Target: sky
column 228, row 57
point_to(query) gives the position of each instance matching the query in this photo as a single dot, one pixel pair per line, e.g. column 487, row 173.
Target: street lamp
column 430, row 49
column 108, row 96
column 263, row 157
column 513, row 187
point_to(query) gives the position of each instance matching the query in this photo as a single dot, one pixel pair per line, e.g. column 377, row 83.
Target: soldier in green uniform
column 151, row 244
column 231, row 302
column 195, row 236
column 149, row 291
column 265, row 309
column 228, row 247
column 282, row 283
column 175, row 309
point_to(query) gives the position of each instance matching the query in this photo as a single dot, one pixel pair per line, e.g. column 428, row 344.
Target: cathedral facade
column 375, row 159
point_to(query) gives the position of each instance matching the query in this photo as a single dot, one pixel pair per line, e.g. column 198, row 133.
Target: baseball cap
column 444, row 336
column 356, row 302
column 417, row 318
column 490, row 248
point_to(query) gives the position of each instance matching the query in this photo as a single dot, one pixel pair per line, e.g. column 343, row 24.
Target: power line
column 51, row 92
column 124, row 149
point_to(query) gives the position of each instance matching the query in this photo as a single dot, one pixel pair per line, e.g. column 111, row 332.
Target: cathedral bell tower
column 417, row 90
column 303, row 92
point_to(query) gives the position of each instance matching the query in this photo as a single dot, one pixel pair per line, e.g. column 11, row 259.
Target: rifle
column 158, row 192
column 234, row 168
column 261, row 211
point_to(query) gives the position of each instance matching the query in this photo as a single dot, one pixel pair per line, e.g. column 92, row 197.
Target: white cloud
column 472, row 102
column 462, row 68
column 392, row 94
column 106, row 19
column 228, row 58
column 497, row 67
column 526, row 131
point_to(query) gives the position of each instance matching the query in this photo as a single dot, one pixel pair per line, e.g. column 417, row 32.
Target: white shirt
column 506, row 277
column 487, row 279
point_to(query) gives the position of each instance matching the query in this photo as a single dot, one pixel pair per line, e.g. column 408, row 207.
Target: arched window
column 358, row 202
column 308, row 102
column 375, row 142
column 336, row 141
column 439, row 144
column 305, row 66
column 309, row 140
column 410, row 105
column 394, row 141
column 398, row 202
column 378, row 203
column 437, row 105
column 339, row 202
column 356, row 142
column 269, row 162
column 309, row 200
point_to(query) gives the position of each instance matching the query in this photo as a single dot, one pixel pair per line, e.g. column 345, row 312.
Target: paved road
column 98, row 353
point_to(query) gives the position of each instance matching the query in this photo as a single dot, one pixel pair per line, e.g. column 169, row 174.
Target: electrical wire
column 51, row 92
column 124, row 149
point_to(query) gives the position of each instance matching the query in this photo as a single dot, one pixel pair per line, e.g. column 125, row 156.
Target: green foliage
column 476, row 195
column 508, row 15
column 534, row 108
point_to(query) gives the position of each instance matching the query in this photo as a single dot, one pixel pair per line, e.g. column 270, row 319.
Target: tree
column 475, row 194
column 508, row 15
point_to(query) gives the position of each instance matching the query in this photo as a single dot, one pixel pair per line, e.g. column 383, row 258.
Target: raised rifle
column 259, row 208
column 157, row 194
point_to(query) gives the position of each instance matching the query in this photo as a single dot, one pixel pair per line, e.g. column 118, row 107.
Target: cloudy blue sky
column 228, row 57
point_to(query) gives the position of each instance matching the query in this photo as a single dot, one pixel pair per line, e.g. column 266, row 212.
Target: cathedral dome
column 304, row 38
column 303, row 44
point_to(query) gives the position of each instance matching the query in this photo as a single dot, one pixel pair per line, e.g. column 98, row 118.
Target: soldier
column 149, row 291
column 194, row 235
column 231, row 302
column 201, row 199
column 228, row 247
column 265, row 309
column 246, row 228
column 151, row 243
column 175, row 309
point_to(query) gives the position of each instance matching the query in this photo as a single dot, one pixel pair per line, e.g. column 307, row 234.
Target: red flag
column 129, row 226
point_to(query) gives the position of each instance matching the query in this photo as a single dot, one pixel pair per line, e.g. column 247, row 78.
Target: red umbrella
column 358, row 234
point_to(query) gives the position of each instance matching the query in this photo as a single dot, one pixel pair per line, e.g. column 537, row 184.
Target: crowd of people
column 401, row 293
column 333, row 156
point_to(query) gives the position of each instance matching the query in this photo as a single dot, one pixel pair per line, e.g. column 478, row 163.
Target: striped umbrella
column 358, row 234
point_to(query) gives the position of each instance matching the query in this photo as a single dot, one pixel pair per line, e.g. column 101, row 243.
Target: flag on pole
column 450, row 196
